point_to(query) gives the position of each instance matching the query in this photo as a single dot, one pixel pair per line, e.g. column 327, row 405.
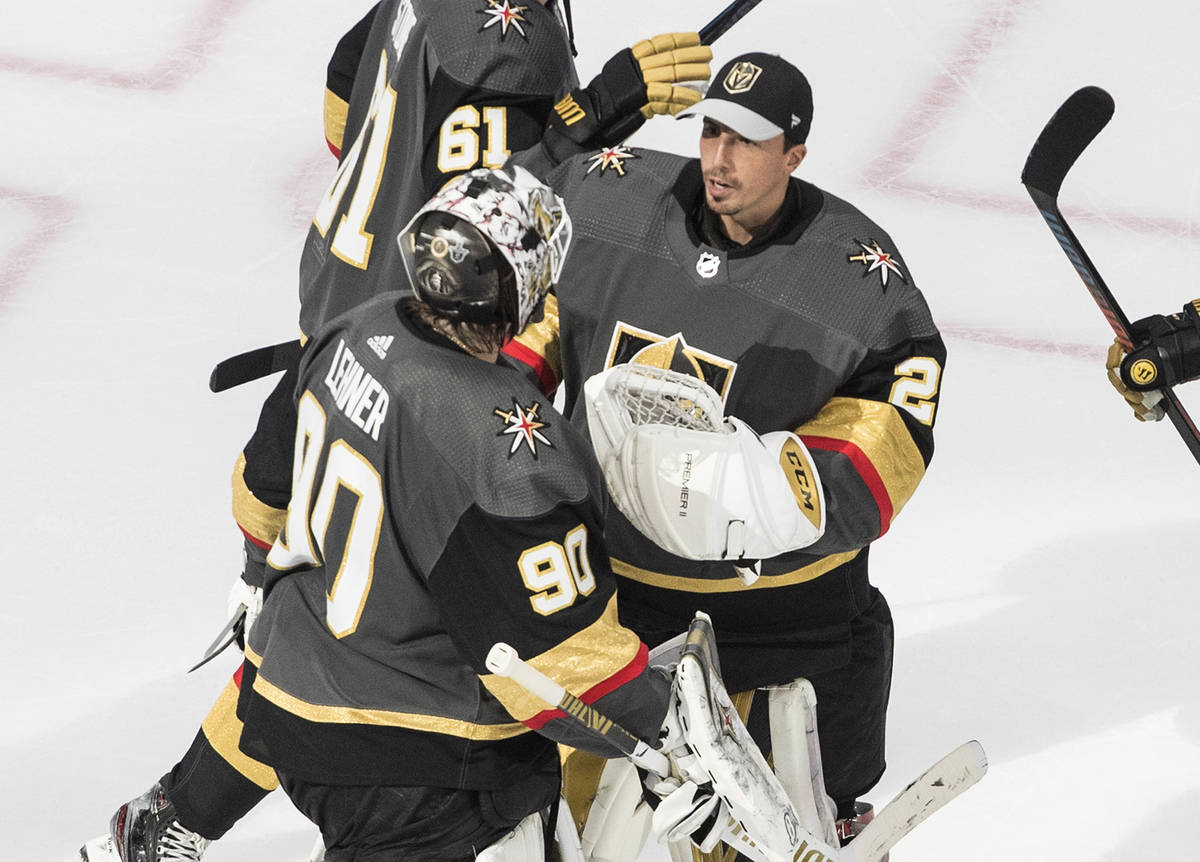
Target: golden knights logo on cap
column 741, row 77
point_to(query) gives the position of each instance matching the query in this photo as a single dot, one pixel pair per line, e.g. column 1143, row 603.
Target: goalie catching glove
column 634, row 85
column 700, row 486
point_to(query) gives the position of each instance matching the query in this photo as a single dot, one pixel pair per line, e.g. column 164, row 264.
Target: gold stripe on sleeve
column 582, row 661
column 878, row 432
column 336, row 110
column 261, row 521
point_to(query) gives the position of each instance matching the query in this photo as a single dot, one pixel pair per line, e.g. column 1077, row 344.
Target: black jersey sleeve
column 543, row 585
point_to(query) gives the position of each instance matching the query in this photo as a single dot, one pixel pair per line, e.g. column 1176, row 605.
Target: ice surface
column 160, row 163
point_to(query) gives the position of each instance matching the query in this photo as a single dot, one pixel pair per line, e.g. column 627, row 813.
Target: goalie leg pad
column 761, row 822
column 796, row 752
column 525, row 843
column 619, row 818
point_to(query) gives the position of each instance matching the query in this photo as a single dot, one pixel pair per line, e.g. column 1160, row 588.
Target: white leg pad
column 524, row 843
column 797, row 754
column 618, row 820
column 317, row 854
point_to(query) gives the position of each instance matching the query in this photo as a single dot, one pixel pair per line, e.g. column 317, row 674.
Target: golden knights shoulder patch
column 875, row 259
column 505, row 14
column 524, row 426
column 611, row 158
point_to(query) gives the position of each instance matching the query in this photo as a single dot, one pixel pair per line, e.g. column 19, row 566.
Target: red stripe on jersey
column 593, row 694
column 865, row 469
column 266, row 546
column 334, row 148
column 545, row 374
column 237, row 677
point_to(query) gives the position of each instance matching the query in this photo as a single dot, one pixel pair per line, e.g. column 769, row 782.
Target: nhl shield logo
column 708, row 264
column 741, row 78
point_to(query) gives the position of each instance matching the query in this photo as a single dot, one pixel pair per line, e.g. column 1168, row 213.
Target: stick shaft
column 503, row 660
column 725, row 19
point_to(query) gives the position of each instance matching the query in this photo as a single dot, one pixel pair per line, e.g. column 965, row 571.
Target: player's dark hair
column 475, row 337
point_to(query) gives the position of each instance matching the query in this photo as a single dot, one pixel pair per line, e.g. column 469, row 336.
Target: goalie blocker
column 700, row 485
column 714, row 785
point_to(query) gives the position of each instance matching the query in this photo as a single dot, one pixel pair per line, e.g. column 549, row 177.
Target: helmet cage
column 523, row 221
column 455, row 269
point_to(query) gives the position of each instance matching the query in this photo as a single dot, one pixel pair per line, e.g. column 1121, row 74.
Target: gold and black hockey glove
column 1168, row 353
column 635, row 84
column 1146, row 406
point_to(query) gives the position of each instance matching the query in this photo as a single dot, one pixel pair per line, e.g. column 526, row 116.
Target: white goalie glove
column 700, row 485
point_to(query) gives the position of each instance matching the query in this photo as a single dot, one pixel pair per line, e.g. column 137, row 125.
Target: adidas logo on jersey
column 380, row 344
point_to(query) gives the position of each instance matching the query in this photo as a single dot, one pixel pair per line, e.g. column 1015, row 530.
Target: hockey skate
column 849, row 827
column 146, row 830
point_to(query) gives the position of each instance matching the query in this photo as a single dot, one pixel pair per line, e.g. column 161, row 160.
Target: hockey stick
column 227, row 635
column 1075, row 125
column 956, row 772
column 253, row 364
column 726, row 18
column 503, row 660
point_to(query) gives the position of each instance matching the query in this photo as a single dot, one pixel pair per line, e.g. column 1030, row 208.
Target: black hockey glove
column 1169, row 351
column 634, row 84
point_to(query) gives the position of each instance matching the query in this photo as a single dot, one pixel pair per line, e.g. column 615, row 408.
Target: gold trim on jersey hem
column 733, row 584
column 585, row 659
column 261, row 521
column 222, row 728
column 880, row 433
column 384, row 717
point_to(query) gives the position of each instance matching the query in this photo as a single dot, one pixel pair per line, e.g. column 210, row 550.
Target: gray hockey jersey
column 821, row 331
column 439, row 506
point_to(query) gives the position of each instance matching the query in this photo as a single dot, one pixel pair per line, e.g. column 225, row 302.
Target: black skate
column 146, row 830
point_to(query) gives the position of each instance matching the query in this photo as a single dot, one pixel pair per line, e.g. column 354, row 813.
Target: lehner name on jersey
column 355, row 392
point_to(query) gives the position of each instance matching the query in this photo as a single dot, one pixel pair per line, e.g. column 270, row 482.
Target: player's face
column 743, row 179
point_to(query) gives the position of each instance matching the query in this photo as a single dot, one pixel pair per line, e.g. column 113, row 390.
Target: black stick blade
column 726, row 18
column 1074, row 125
column 253, row 364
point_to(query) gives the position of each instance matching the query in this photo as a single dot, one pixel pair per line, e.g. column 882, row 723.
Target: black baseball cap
column 759, row 96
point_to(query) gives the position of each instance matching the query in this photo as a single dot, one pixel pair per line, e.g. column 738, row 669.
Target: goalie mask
column 487, row 248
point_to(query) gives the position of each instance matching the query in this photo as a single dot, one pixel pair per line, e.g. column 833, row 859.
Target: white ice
column 160, row 165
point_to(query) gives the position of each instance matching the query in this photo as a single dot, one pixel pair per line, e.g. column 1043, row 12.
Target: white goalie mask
column 487, row 247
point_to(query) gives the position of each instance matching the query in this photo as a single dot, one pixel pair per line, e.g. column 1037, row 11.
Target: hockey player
column 482, row 77
column 1169, row 354
column 803, row 320
column 438, row 508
